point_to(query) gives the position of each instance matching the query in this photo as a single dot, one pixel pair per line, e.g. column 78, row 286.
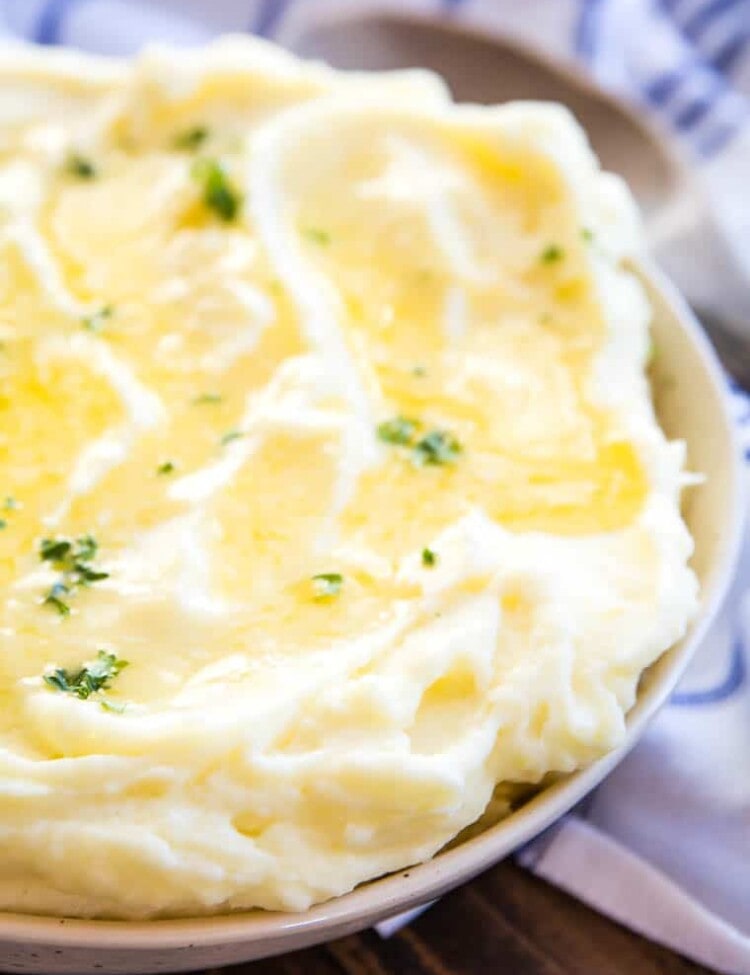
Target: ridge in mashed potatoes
column 335, row 495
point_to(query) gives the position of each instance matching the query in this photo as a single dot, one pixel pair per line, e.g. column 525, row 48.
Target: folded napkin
column 663, row 845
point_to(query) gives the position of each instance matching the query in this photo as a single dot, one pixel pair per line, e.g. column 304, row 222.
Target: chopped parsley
column 96, row 321
column 551, row 254
column 10, row 504
column 438, row 447
column 72, row 558
column 89, row 679
column 435, row 448
column 231, row 435
column 206, row 398
column 191, row 139
column 167, row 467
column 327, row 584
column 400, row 430
column 219, row 194
column 54, row 598
column 80, row 167
column 429, row 558
column 316, row 235
column 419, row 371
column 588, row 234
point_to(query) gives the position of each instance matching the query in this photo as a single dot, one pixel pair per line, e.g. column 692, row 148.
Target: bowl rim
column 417, row 885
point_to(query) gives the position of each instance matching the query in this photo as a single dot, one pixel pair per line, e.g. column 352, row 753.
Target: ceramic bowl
column 691, row 402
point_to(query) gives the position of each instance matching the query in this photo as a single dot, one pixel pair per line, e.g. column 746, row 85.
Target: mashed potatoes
column 333, row 492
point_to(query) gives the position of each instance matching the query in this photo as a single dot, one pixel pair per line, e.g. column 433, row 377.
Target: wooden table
column 505, row 922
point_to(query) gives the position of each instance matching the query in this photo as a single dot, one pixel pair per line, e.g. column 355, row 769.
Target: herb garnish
column 10, row 504
column 55, row 600
column 327, row 584
column 419, row 371
column 551, row 254
column 316, row 235
column 96, row 321
column 191, row 139
column 205, row 398
column 435, row 448
column 429, row 557
column 80, row 167
column 588, row 234
column 168, row 467
column 400, row 430
column 73, row 559
column 219, row 194
column 231, row 435
column 92, row 677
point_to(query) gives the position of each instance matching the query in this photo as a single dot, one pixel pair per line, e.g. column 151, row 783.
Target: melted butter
column 427, row 241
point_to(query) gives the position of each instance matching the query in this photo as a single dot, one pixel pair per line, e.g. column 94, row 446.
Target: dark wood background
column 505, row 922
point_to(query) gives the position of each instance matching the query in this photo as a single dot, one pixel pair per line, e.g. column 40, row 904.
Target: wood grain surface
column 505, row 922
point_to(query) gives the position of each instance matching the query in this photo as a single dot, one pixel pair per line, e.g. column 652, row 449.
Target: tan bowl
column 691, row 403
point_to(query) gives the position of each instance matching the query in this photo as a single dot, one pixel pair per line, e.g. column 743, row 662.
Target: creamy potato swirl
column 324, row 409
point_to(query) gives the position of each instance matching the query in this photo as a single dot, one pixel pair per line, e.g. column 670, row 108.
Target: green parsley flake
column 97, row 321
column 167, row 467
column 231, row 435
column 317, row 236
column 206, row 398
column 10, row 504
column 419, row 371
column 55, row 600
column 326, row 585
column 191, row 139
column 400, row 430
column 72, row 559
column 438, row 447
column 588, row 234
column 80, row 167
column 219, row 194
column 89, row 679
column 429, row 558
column 551, row 254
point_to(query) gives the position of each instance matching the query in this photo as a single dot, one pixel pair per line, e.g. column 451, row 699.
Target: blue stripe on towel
column 588, row 28
column 705, row 16
column 724, row 59
column 663, row 88
column 49, row 26
column 269, row 16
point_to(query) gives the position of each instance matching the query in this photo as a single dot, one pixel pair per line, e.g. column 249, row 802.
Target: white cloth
column 663, row 845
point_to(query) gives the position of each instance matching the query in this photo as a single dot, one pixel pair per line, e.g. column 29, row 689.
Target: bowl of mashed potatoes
column 346, row 439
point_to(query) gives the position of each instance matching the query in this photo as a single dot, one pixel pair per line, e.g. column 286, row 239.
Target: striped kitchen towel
column 664, row 844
